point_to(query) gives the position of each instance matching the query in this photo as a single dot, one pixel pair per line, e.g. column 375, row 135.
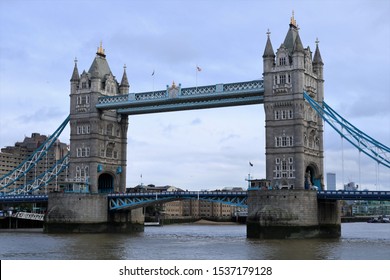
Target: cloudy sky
column 201, row 149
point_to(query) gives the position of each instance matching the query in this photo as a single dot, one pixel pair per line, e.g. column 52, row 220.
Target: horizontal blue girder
column 23, row 198
column 354, row 195
column 130, row 200
column 135, row 200
column 220, row 95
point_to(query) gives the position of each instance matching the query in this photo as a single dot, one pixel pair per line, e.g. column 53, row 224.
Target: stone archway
column 312, row 177
column 106, row 183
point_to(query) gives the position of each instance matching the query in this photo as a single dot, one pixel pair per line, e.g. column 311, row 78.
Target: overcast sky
column 201, row 149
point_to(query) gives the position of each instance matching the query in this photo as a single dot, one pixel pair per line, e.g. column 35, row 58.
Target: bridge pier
column 284, row 214
column 84, row 212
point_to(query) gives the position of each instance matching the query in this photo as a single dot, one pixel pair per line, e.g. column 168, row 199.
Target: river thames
column 359, row 241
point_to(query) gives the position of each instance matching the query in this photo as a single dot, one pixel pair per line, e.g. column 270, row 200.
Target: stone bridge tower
column 294, row 147
column 294, row 132
column 98, row 139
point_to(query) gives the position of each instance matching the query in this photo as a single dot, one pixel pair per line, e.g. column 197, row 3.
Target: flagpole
column 196, row 75
column 153, row 80
column 197, row 69
column 249, row 174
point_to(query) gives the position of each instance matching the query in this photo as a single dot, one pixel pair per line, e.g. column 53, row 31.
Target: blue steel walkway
column 176, row 98
column 134, row 200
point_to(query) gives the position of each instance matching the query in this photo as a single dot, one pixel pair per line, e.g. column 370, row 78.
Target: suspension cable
column 342, row 159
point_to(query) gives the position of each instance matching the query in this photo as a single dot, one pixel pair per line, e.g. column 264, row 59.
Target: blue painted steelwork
column 135, row 200
column 220, row 95
column 23, row 198
column 32, row 160
column 354, row 195
column 364, row 143
column 42, row 180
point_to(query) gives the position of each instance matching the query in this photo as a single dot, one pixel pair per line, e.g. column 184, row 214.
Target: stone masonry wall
column 283, row 207
column 76, row 208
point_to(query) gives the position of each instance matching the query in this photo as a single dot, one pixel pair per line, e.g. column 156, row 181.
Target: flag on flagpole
column 153, row 73
column 251, row 164
column 198, row 68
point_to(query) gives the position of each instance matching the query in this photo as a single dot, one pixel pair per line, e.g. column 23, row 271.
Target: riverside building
column 12, row 156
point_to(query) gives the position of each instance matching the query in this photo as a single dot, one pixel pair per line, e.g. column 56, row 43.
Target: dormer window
column 282, row 61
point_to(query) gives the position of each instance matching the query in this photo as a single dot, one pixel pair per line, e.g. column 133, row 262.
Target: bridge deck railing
column 219, row 90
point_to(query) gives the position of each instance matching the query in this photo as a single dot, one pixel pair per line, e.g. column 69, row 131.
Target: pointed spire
column 269, row 51
column 125, row 81
column 124, row 86
column 317, row 56
column 75, row 75
column 99, row 68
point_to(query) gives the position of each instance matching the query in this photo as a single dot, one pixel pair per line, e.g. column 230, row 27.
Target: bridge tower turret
column 98, row 140
column 294, row 132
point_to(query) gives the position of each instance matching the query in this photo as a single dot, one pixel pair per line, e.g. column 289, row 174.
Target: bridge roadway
column 119, row 201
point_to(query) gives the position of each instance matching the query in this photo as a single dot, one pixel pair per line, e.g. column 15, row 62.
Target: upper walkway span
column 176, row 98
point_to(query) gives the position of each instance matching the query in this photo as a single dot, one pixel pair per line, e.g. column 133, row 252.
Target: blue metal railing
column 185, row 98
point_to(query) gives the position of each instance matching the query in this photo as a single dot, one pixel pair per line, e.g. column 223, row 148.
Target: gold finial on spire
column 173, row 84
column 292, row 20
column 100, row 50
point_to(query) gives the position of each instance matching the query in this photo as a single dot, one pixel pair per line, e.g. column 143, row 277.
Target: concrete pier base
column 282, row 214
column 77, row 212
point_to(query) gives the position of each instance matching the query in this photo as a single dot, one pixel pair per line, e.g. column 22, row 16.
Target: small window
column 282, row 61
column 284, row 141
column 290, row 114
column 282, row 79
column 109, row 129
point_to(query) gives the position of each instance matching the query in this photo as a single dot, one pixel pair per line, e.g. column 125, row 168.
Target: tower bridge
column 292, row 94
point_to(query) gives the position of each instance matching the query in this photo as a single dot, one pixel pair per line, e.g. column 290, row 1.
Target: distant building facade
column 351, row 187
column 190, row 208
column 12, row 156
column 263, row 184
column 331, row 181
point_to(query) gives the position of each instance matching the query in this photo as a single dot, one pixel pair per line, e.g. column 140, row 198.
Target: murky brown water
column 190, row 241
